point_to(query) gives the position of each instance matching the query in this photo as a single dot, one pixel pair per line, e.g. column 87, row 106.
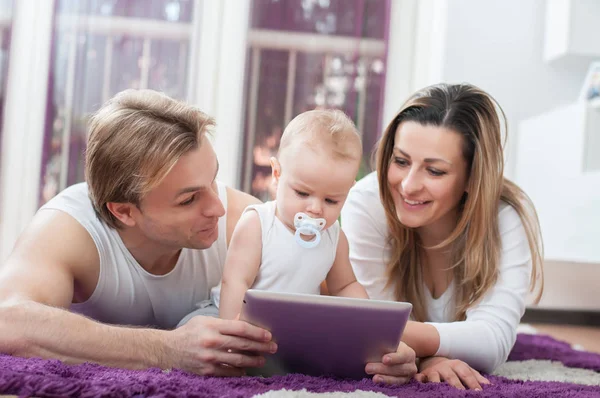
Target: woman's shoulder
column 368, row 185
column 508, row 218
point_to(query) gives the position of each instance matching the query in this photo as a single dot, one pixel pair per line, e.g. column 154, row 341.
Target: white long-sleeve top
column 486, row 337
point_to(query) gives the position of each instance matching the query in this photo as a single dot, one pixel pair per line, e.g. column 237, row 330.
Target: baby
column 295, row 243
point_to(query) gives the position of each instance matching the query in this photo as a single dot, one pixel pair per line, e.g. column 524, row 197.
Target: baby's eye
column 331, row 201
column 301, row 194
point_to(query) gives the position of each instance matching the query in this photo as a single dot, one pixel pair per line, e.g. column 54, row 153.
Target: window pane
column 99, row 49
column 315, row 54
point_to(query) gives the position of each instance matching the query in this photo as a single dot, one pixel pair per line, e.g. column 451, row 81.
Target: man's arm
column 37, row 284
column 56, row 257
column 237, row 201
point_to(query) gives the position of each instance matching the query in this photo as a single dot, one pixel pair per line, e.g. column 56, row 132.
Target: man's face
column 184, row 209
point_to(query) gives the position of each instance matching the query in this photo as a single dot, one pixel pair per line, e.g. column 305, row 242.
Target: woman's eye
column 401, row 161
column 189, row 201
column 436, row 173
column 301, row 194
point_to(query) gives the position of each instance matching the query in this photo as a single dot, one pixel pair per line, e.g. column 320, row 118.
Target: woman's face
column 427, row 176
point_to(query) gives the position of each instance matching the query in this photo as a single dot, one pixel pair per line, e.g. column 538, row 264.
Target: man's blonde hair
column 324, row 129
column 134, row 140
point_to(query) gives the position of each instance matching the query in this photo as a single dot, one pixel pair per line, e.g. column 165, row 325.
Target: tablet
column 325, row 335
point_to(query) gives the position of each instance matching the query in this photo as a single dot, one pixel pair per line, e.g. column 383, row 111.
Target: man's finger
column 244, row 329
column 228, row 371
column 239, row 360
column 233, row 343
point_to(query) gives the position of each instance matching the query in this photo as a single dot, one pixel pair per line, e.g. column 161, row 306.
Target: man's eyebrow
column 197, row 187
column 426, row 160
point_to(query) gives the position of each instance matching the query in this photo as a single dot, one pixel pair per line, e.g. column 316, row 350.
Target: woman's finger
column 433, row 377
column 450, row 377
column 480, row 378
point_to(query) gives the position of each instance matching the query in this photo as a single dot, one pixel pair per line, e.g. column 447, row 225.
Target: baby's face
column 315, row 184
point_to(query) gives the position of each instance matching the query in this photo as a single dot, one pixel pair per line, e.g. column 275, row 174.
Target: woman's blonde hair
column 134, row 140
column 475, row 241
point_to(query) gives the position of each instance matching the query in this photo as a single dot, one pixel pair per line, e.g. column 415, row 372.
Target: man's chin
column 200, row 245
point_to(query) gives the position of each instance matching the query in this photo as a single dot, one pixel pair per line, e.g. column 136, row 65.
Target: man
column 140, row 244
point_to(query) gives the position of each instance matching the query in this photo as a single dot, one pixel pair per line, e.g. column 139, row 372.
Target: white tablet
column 325, row 335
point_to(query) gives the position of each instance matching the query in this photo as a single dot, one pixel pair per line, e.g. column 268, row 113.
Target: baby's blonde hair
column 324, row 130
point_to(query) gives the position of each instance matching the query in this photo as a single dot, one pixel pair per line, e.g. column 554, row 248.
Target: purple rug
column 51, row 378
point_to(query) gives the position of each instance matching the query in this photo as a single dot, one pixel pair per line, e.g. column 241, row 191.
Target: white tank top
column 285, row 265
column 127, row 294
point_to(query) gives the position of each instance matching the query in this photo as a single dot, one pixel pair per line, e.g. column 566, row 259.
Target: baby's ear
column 275, row 169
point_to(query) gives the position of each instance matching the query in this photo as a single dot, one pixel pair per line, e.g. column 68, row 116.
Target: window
column 99, row 49
column 305, row 54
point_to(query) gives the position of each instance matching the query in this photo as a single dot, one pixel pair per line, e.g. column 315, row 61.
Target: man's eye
column 189, row 201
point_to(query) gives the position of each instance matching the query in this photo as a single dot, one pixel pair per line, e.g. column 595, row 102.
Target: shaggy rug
column 538, row 366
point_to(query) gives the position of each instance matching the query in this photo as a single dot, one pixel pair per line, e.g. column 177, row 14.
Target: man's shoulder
column 239, row 199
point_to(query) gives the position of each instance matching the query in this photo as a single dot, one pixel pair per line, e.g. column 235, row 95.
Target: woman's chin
column 409, row 221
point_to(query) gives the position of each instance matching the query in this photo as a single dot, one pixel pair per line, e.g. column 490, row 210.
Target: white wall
column 551, row 169
column 498, row 46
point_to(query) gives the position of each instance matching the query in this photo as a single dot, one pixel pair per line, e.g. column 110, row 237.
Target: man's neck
column 154, row 258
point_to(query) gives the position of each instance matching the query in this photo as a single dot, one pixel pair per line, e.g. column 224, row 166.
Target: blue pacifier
column 306, row 225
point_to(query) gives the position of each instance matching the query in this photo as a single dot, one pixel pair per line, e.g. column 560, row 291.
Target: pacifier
column 307, row 225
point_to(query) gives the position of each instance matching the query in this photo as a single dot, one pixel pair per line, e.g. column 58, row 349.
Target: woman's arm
column 363, row 222
column 486, row 337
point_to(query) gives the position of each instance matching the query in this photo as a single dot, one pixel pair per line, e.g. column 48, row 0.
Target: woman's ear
column 275, row 169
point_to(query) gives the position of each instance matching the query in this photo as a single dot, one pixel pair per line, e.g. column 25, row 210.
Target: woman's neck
column 437, row 232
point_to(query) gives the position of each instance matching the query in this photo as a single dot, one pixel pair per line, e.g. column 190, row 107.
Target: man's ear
column 275, row 169
column 123, row 212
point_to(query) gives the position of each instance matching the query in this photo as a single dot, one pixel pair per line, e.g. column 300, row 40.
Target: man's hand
column 453, row 371
column 395, row 368
column 218, row 347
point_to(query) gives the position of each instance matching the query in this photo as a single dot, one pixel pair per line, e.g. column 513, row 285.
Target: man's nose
column 214, row 206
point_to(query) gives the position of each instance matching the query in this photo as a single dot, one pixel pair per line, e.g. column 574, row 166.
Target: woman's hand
column 453, row 371
column 395, row 368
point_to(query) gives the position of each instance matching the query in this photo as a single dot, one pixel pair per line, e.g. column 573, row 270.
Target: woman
column 439, row 226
